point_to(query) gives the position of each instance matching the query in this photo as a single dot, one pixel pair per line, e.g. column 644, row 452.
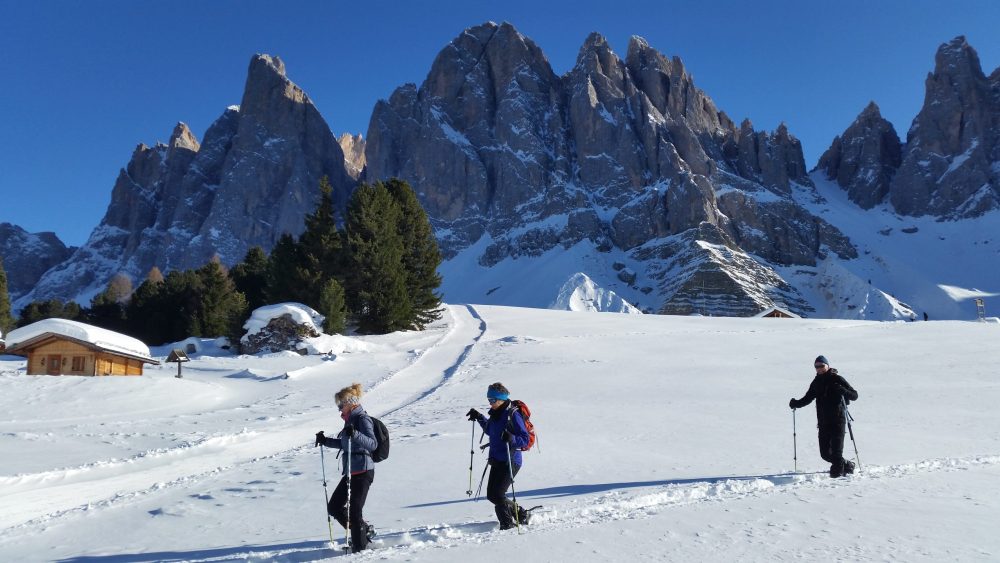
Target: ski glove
column 507, row 437
column 319, row 438
column 474, row 415
column 349, row 430
column 791, row 403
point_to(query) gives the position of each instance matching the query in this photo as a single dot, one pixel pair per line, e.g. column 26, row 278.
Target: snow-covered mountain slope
column 660, row 438
column 580, row 293
column 929, row 265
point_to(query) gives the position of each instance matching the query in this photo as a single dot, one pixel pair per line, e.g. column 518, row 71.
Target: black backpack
column 381, row 451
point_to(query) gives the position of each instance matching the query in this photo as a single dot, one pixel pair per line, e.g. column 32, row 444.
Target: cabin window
column 79, row 363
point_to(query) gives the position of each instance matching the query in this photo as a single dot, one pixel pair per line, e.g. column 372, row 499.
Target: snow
column 97, row 336
column 220, row 465
column 580, row 293
column 962, row 294
column 913, row 267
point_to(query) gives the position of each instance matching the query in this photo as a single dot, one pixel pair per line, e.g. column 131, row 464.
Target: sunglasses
column 818, row 366
column 492, row 400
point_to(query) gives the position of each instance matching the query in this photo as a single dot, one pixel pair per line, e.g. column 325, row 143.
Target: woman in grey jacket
column 360, row 431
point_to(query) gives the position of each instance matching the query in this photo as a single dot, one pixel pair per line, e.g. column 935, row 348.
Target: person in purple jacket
column 508, row 435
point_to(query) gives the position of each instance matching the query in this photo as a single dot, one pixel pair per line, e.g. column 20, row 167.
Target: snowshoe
column 848, row 467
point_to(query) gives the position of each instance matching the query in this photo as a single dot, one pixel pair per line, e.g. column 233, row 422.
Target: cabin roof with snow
column 21, row 341
column 777, row 313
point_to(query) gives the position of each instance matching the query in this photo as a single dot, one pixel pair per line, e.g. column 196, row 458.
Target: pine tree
column 332, row 306
column 377, row 286
column 286, row 279
column 108, row 308
column 250, row 277
column 146, row 313
column 49, row 309
column 422, row 255
column 220, row 306
column 6, row 317
column 321, row 243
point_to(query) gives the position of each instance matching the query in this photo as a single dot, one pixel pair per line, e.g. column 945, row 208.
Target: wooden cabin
column 73, row 352
column 776, row 313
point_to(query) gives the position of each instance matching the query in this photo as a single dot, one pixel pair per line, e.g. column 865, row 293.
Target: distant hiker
column 925, row 315
column 508, row 434
column 360, row 431
column 827, row 388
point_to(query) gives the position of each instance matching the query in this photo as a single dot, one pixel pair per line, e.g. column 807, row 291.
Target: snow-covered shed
column 777, row 313
column 63, row 347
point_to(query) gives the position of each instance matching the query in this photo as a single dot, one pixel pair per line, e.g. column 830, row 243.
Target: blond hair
column 351, row 394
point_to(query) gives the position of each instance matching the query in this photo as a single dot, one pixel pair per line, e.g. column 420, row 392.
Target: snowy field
column 661, row 439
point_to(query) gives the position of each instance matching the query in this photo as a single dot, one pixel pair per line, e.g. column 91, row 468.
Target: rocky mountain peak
column 267, row 85
column 871, row 111
column 864, row 158
column 253, row 177
column 957, row 58
column 596, row 55
column 183, row 138
column 949, row 165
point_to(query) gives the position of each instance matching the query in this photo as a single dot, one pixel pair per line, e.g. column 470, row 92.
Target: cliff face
column 26, row 256
column 253, row 177
column 625, row 155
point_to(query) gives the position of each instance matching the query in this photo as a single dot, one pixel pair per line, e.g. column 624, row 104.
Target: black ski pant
column 337, row 507
column 496, row 492
column 831, row 446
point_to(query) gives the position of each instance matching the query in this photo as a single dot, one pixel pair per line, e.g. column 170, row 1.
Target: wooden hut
column 62, row 347
column 776, row 313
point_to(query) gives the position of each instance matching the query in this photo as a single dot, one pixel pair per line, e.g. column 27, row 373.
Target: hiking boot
column 848, row 467
column 370, row 532
column 836, row 471
column 505, row 526
column 523, row 516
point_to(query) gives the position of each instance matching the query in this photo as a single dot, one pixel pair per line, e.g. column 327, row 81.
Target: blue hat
column 821, row 360
column 493, row 394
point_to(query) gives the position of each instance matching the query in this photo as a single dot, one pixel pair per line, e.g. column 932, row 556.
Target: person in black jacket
column 831, row 393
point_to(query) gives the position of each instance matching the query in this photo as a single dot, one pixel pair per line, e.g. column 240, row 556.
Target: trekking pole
column 795, row 444
column 326, row 496
column 472, row 456
column 481, row 479
column 347, row 530
column 851, row 430
column 513, row 492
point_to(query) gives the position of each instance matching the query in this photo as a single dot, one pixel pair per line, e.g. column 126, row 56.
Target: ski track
column 600, row 509
column 114, row 481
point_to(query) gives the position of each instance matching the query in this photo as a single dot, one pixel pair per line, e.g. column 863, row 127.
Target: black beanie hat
column 821, row 360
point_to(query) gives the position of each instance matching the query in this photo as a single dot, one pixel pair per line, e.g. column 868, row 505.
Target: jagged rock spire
column 864, row 158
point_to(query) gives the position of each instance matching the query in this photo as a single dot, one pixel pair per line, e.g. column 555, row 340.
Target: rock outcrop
column 354, row 153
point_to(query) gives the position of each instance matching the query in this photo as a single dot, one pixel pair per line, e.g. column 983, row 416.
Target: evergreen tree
column 108, row 308
column 49, row 309
column 146, row 312
column 181, row 304
column 250, row 277
column 6, row 317
column 377, row 286
column 286, row 279
column 421, row 257
column 321, row 243
column 221, row 307
column 332, row 306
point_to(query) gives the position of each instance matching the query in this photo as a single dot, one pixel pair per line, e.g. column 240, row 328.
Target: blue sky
column 85, row 82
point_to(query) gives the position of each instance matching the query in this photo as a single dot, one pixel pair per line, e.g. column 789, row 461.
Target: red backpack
column 526, row 416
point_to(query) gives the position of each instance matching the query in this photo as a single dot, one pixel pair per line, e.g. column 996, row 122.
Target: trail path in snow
column 31, row 498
